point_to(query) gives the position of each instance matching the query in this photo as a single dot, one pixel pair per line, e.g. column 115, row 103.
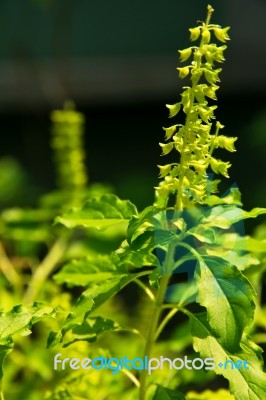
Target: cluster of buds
column 195, row 140
column 67, row 144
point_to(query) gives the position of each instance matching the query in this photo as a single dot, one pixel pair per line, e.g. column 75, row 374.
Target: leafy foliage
column 117, row 272
column 99, row 213
column 19, row 321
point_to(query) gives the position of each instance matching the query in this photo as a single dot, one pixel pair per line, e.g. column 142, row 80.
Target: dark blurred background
column 117, row 60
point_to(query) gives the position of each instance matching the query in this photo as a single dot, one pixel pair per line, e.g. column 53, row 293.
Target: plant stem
column 8, row 269
column 164, row 322
column 145, row 288
column 131, row 377
column 151, row 337
column 44, row 270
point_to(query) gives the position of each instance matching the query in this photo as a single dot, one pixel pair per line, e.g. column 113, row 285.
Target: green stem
column 165, row 321
column 8, row 270
column 145, row 289
column 131, row 377
column 44, row 270
column 151, row 337
column 1, row 392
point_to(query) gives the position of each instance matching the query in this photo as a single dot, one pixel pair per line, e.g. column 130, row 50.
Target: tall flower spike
column 196, row 139
column 67, row 145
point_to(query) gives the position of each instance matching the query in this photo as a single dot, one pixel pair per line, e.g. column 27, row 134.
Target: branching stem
column 44, row 270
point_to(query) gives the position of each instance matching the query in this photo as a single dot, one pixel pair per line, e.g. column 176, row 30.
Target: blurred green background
column 117, row 60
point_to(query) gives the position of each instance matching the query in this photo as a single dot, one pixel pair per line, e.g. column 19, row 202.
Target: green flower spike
column 195, row 140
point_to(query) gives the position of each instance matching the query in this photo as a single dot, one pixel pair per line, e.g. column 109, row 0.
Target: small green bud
column 183, row 72
column 226, row 142
column 206, row 113
column 200, row 166
column 173, row 109
column 221, row 33
column 219, row 167
column 206, row 36
column 185, row 54
column 166, row 148
column 169, row 131
column 219, row 125
column 199, row 93
column 209, row 57
column 218, row 55
column 209, row 91
column 196, row 74
column 164, row 170
column 194, row 33
column 212, row 76
column 178, row 143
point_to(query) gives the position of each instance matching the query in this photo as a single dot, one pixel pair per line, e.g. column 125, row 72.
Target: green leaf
column 234, row 197
column 100, row 213
column 139, row 224
column 203, row 234
column 167, row 394
column 90, row 329
column 228, row 297
column 227, row 215
column 85, row 271
column 125, row 256
column 90, row 300
column 245, row 384
column 19, row 321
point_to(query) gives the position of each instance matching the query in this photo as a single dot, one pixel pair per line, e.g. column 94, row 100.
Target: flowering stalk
column 194, row 140
column 67, row 143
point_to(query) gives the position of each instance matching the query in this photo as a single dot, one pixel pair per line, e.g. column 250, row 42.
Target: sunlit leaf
column 85, row 271
column 19, row 321
column 100, row 213
column 228, row 297
column 245, row 384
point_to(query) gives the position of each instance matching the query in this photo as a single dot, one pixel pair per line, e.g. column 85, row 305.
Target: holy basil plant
column 189, row 231
column 152, row 304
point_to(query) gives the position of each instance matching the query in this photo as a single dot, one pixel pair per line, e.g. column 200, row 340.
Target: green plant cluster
column 194, row 140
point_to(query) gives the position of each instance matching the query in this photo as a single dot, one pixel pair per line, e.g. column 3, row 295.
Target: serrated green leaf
column 224, row 291
column 233, row 197
column 85, row 271
column 99, row 213
column 203, row 234
column 245, row 384
column 19, row 321
column 167, row 394
column 126, row 257
column 138, row 224
column 89, row 300
column 90, row 329
column 225, row 216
